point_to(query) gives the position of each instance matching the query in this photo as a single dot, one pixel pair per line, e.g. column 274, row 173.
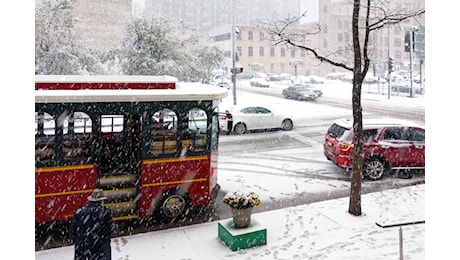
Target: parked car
column 405, row 86
column 259, row 82
column 300, row 92
column 253, row 117
column 369, row 79
column 390, row 146
column 313, row 79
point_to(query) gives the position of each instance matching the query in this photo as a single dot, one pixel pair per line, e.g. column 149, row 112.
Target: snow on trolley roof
column 105, row 92
column 73, row 82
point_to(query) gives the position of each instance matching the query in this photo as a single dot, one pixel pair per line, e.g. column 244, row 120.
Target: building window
column 250, row 36
column 339, row 37
column 292, row 52
column 261, row 51
column 239, row 49
column 250, row 52
column 238, row 36
column 324, row 43
column 283, row 52
column 261, row 36
column 272, row 51
column 302, row 53
column 221, row 37
column 397, row 42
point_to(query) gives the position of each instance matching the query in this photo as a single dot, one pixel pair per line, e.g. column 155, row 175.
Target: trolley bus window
column 44, row 137
column 197, row 129
column 215, row 131
column 164, row 132
column 112, row 123
column 76, row 142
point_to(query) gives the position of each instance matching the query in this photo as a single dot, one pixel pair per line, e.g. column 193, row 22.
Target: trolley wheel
column 174, row 204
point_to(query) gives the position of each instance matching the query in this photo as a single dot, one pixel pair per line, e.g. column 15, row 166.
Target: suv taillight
column 344, row 147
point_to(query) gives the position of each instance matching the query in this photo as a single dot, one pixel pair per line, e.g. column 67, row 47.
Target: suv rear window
column 336, row 131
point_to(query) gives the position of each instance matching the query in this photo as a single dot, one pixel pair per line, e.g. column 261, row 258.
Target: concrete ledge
column 241, row 238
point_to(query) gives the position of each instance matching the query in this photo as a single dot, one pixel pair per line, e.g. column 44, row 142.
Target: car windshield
column 336, row 131
column 303, row 87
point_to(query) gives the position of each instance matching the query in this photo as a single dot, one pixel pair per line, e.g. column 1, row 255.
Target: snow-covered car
column 254, row 117
column 259, row 82
column 369, row 79
column 313, row 79
column 300, row 92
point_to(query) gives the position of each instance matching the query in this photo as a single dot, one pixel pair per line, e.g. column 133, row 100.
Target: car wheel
column 374, row 168
column 239, row 129
column 404, row 174
column 299, row 98
column 287, row 125
column 174, row 204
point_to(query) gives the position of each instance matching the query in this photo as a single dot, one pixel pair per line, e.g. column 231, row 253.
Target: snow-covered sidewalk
column 323, row 230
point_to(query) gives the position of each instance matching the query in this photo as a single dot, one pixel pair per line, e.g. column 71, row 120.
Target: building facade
column 257, row 51
column 389, row 41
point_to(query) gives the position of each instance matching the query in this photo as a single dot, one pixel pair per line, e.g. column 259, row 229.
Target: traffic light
column 238, row 70
column 390, row 64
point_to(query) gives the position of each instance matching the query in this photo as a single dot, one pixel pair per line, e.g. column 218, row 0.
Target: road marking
column 305, row 140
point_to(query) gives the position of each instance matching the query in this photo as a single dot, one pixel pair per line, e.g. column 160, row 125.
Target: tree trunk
column 356, row 177
column 354, row 207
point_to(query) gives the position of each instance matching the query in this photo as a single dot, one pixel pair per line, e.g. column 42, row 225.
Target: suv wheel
column 374, row 168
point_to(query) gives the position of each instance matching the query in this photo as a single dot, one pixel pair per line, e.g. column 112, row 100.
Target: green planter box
column 241, row 238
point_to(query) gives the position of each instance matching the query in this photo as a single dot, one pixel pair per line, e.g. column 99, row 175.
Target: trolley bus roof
column 74, row 82
column 182, row 92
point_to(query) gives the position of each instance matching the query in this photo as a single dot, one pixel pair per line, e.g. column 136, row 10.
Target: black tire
column 174, row 205
column 299, row 98
column 404, row 174
column 287, row 125
column 239, row 129
column 374, row 168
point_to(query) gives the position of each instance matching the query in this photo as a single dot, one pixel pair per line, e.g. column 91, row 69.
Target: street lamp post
column 389, row 57
column 233, row 53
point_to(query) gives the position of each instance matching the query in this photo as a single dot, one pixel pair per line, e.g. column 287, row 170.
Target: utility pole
column 411, row 50
column 389, row 57
column 233, row 53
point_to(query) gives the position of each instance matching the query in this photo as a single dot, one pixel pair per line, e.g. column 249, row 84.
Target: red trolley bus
column 149, row 142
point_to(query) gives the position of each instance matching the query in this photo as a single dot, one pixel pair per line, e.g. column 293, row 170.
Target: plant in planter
column 241, row 204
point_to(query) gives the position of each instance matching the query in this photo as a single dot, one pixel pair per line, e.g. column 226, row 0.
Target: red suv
column 390, row 145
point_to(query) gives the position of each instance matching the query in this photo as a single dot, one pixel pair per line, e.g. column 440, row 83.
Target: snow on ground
column 322, row 230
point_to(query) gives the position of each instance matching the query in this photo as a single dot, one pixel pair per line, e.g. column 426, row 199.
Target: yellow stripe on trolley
column 64, row 168
column 62, row 193
column 177, row 159
column 173, row 182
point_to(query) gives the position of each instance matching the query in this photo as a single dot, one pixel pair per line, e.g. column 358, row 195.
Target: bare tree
column 362, row 25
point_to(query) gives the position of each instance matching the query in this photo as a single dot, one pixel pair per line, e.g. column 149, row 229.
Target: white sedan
column 253, row 117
